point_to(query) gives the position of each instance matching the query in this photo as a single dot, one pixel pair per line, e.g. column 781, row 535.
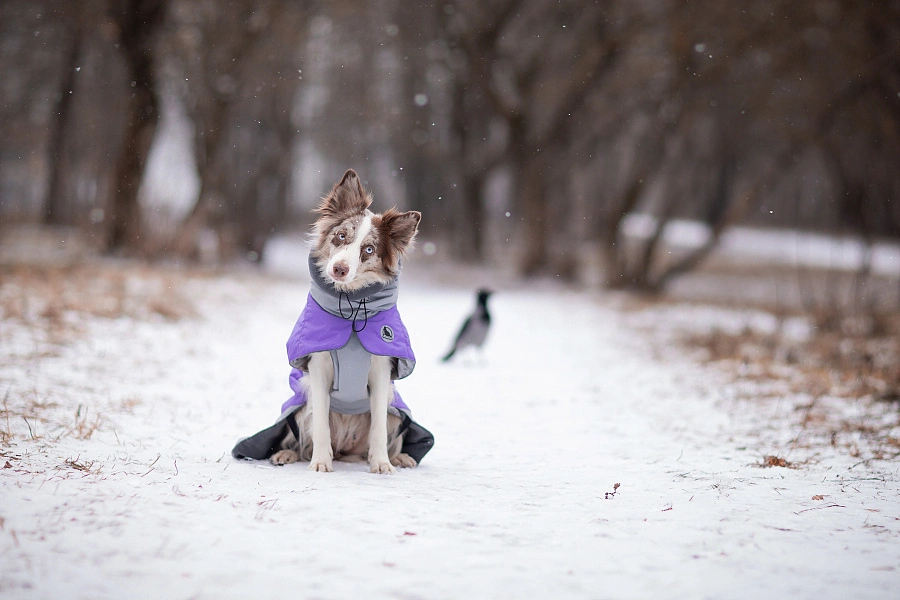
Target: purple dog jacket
column 351, row 342
column 352, row 327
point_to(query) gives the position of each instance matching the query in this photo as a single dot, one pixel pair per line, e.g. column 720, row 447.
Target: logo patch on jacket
column 387, row 334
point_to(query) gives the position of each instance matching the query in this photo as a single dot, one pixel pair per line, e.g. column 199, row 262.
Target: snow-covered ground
column 582, row 456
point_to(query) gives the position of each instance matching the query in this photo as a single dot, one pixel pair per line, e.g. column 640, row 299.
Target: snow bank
column 773, row 246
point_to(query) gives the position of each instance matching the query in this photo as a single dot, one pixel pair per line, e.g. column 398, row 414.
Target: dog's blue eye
column 369, row 249
column 342, row 237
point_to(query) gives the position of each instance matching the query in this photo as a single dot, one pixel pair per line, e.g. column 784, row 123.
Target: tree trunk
column 138, row 21
column 56, row 204
column 125, row 232
column 469, row 225
column 532, row 188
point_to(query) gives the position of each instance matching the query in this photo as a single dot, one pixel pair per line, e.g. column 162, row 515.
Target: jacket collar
column 359, row 304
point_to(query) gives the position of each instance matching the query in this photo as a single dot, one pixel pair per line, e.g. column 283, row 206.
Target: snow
column 574, row 393
column 171, row 183
column 774, row 246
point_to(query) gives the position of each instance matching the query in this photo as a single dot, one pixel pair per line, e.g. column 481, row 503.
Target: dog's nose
column 340, row 270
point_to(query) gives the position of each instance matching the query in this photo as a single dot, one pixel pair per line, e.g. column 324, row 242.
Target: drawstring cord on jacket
column 353, row 313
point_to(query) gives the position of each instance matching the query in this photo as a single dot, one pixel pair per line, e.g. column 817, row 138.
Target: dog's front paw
column 404, row 460
column 284, row 457
column 381, row 467
column 322, row 465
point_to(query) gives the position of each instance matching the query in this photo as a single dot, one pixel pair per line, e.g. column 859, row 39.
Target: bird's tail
column 449, row 355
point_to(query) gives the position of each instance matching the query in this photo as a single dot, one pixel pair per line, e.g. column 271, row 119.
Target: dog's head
column 355, row 247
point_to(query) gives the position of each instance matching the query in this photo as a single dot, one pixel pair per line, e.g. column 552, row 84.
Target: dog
column 356, row 257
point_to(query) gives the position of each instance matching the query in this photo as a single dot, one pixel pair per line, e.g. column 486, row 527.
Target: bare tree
column 735, row 98
column 592, row 113
column 57, row 206
column 237, row 74
column 138, row 22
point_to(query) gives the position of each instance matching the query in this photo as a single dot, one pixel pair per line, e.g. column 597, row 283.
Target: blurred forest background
column 530, row 131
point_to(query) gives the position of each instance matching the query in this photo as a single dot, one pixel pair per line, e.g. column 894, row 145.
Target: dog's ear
column 347, row 197
column 400, row 227
column 396, row 232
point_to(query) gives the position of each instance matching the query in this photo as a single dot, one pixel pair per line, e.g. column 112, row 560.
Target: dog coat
column 351, row 327
column 351, row 344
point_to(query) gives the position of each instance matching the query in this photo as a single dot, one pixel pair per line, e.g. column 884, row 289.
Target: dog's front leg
column 379, row 399
column 321, row 375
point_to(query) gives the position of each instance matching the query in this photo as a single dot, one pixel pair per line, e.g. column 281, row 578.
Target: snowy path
column 511, row 503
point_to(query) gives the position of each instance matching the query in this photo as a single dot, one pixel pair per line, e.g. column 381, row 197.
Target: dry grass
column 46, row 421
column 84, row 427
column 843, row 374
column 837, row 361
column 844, row 362
column 776, row 461
column 6, row 432
column 50, row 306
column 75, row 463
column 114, row 290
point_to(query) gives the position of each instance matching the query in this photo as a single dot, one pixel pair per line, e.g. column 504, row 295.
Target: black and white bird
column 475, row 328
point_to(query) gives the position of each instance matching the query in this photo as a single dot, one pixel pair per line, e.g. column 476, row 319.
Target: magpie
column 475, row 328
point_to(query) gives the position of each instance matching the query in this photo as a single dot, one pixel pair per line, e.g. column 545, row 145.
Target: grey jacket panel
column 350, row 391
